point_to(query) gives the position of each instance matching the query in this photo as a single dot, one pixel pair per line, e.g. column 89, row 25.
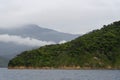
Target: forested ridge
column 98, row 49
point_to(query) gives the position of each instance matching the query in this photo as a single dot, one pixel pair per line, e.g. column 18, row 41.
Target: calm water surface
column 6, row 74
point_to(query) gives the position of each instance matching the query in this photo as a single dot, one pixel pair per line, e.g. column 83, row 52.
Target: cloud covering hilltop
column 23, row 41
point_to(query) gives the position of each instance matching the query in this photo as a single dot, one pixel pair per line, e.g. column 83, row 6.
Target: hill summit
column 98, row 49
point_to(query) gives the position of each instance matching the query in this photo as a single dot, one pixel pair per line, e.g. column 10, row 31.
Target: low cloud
column 23, row 41
column 62, row 42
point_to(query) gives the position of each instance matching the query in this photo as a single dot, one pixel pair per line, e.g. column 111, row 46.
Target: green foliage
column 96, row 49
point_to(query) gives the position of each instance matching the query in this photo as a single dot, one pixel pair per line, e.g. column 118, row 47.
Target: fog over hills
column 34, row 31
column 15, row 40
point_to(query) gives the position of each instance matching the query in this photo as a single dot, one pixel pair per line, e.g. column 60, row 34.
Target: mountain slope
column 3, row 62
column 99, row 49
column 9, row 50
column 34, row 31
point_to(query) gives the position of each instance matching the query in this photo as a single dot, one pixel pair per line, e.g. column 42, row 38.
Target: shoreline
column 62, row 68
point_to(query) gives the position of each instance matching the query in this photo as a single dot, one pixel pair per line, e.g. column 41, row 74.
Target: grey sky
column 72, row 16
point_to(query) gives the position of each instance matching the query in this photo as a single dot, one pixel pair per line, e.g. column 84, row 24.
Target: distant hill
column 9, row 50
column 98, row 49
column 37, row 32
column 3, row 62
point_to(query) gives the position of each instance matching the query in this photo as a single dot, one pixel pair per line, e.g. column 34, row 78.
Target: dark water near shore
column 6, row 74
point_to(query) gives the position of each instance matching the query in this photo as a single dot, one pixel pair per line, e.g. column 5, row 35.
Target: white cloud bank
column 62, row 42
column 23, row 41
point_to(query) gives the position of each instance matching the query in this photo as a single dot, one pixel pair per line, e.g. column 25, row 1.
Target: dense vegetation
column 99, row 49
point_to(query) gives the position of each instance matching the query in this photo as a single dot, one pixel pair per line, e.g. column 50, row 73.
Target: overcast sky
column 71, row 16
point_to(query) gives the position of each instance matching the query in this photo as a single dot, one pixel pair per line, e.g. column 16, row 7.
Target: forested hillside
column 98, row 49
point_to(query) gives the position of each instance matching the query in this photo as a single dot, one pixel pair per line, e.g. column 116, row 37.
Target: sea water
column 12, row 74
